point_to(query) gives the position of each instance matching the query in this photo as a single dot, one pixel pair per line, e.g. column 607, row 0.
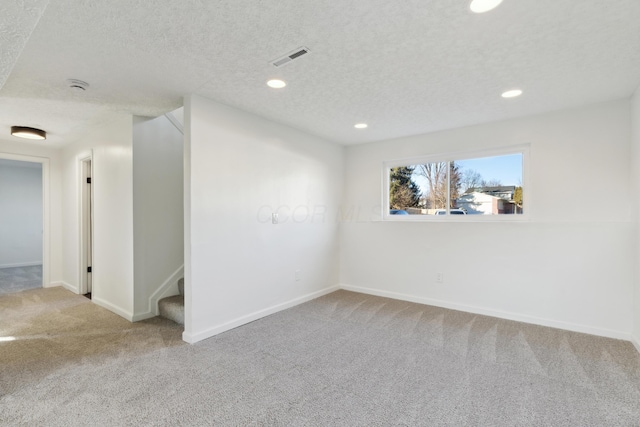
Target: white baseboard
column 74, row 289
column 117, row 310
column 493, row 313
column 193, row 338
column 65, row 285
column 636, row 342
column 143, row 316
column 21, row 264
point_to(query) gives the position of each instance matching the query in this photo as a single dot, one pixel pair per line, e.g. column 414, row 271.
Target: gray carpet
column 345, row 359
column 17, row 279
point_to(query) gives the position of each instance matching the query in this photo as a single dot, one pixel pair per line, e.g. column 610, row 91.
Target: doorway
column 24, row 218
column 86, row 227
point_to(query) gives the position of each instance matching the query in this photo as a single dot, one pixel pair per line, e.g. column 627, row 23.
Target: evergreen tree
column 517, row 196
column 403, row 191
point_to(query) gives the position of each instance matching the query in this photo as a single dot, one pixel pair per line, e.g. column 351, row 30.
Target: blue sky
column 507, row 169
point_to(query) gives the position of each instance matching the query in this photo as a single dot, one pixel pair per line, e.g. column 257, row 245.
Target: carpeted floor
column 344, row 359
column 16, row 279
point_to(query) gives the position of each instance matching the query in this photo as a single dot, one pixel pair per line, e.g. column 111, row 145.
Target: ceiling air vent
column 290, row 56
column 76, row 84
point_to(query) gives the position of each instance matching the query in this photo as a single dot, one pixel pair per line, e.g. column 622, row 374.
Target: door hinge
column 88, row 269
column 88, row 180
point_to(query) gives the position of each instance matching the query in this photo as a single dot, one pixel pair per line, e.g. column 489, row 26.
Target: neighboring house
column 505, row 192
column 477, row 203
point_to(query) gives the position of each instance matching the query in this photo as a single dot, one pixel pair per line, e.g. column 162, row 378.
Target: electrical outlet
column 274, row 218
column 297, row 275
column 439, row 277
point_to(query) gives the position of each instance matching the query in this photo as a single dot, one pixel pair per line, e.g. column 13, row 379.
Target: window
column 464, row 185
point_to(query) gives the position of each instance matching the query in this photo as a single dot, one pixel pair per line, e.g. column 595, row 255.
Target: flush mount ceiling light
column 482, row 6
column 28, row 133
column 276, row 83
column 361, row 126
column 512, row 93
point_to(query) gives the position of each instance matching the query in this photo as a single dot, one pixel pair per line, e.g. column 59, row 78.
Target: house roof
column 404, row 68
column 492, row 189
column 475, row 195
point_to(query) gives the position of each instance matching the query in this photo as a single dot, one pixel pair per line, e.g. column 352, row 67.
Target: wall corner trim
column 114, row 309
column 585, row 329
column 636, row 342
column 193, row 338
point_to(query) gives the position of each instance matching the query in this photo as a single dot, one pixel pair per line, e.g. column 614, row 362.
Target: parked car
column 451, row 212
column 398, row 212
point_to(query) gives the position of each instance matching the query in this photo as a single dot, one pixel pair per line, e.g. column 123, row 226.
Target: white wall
column 158, row 209
column 112, row 185
column 240, row 168
column 635, row 168
column 20, row 213
column 570, row 266
column 52, row 273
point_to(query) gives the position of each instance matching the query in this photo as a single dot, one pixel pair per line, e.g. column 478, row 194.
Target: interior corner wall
column 158, row 207
column 240, row 170
column 635, row 179
column 54, row 208
column 21, row 229
column 571, row 265
column 112, row 186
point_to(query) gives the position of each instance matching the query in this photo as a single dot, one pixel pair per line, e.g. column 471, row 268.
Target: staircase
column 172, row 308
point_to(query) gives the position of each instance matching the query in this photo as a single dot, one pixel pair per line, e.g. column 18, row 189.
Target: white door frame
column 83, row 284
column 46, row 236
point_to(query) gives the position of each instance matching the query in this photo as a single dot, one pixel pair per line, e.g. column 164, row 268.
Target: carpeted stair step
column 172, row 308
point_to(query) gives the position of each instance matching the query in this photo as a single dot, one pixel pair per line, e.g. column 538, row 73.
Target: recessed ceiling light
column 28, row 133
column 482, row 6
column 361, row 126
column 276, row 83
column 512, row 93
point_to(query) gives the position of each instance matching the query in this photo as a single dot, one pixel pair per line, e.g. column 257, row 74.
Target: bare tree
column 491, row 183
column 436, row 176
column 470, row 179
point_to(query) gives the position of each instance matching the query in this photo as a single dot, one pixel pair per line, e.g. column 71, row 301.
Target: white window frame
column 524, row 149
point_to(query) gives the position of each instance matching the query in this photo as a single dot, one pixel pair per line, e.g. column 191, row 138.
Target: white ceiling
column 405, row 67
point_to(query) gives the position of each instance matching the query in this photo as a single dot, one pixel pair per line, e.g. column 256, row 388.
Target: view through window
column 474, row 186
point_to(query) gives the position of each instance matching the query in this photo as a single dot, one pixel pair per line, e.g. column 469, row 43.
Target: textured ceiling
column 17, row 21
column 404, row 67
